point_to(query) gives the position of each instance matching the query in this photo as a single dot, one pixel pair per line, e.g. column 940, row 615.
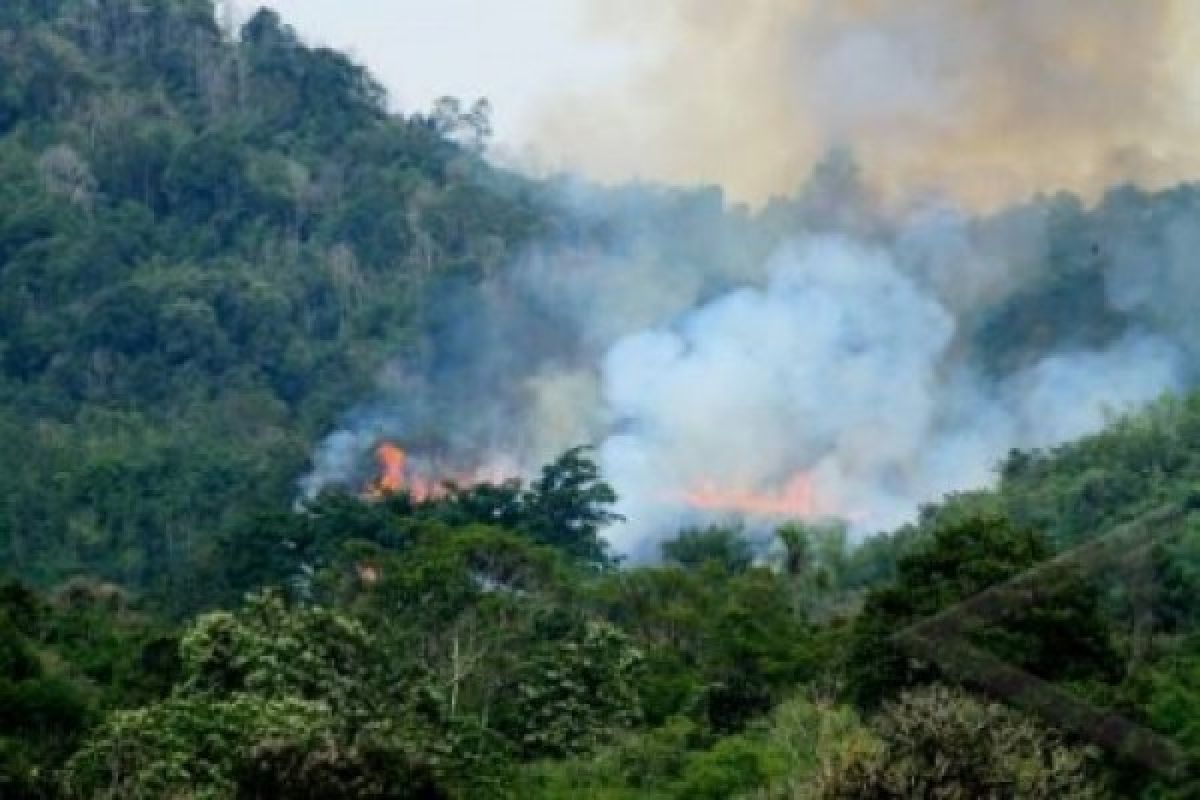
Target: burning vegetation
column 795, row 498
column 396, row 474
column 424, row 479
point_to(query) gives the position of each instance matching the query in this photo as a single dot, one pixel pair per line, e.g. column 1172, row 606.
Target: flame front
column 392, row 463
column 399, row 473
column 795, row 498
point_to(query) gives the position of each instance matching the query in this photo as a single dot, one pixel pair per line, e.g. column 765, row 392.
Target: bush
column 943, row 743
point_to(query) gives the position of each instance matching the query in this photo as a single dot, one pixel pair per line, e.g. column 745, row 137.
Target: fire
column 795, row 498
column 397, row 473
column 392, row 463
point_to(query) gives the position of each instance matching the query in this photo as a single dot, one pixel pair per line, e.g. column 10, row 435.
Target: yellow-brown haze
column 988, row 101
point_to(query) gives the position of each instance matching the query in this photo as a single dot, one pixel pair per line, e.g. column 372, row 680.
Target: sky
column 987, row 102
column 520, row 54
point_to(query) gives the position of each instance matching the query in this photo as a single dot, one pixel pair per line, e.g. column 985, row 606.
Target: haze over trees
column 209, row 246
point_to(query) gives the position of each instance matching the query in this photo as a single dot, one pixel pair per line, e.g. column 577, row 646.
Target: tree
column 65, row 660
column 694, row 547
column 565, row 507
column 472, row 128
column 943, row 743
column 568, row 504
column 170, row 198
column 272, row 698
column 964, row 554
column 574, row 692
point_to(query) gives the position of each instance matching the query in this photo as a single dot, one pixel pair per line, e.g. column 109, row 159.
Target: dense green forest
column 483, row 644
column 208, row 250
column 210, row 243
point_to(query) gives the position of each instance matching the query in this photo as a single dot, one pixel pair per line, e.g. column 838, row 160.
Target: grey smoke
column 694, row 344
column 842, row 367
column 829, row 368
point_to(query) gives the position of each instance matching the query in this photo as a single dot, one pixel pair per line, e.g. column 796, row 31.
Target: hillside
column 530, row 671
column 207, row 250
column 222, row 253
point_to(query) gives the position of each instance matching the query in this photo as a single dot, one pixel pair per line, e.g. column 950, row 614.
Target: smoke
column 1155, row 274
column 988, row 101
column 841, row 368
column 830, row 369
column 833, row 352
column 719, row 361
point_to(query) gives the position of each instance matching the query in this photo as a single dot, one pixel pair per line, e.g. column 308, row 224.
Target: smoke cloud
column 841, row 368
column 720, row 362
column 834, row 352
column 828, row 369
column 990, row 102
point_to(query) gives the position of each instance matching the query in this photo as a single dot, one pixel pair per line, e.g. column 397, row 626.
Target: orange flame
column 795, row 498
column 392, row 463
column 396, row 474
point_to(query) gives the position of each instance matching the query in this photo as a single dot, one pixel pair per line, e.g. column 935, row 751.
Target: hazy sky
column 987, row 102
column 518, row 53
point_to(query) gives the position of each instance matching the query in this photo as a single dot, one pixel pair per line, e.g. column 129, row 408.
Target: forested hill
column 208, row 245
column 474, row 647
column 211, row 240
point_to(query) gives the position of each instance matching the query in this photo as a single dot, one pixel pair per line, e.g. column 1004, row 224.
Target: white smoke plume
column 842, row 368
column 830, row 369
column 709, row 354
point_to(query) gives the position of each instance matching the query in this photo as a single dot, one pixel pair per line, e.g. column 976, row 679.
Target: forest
column 212, row 241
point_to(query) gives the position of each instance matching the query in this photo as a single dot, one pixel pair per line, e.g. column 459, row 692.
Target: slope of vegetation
column 207, row 249
column 405, row 649
column 209, row 244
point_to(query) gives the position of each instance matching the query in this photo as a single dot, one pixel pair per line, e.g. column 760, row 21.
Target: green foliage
column 209, row 244
column 481, row 619
column 732, row 766
column 724, row 645
column 565, row 507
column 370, row 771
column 443, row 657
column 1166, row 695
column 574, row 694
column 272, row 698
column 563, row 510
column 187, row 746
column 695, row 547
column 1137, row 464
column 778, row 757
column 966, row 553
column 62, row 662
column 568, row 504
column 207, row 249
column 804, row 741
column 271, row 650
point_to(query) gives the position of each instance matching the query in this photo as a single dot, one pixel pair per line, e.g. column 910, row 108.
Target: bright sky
column 517, row 53
column 988, row 102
